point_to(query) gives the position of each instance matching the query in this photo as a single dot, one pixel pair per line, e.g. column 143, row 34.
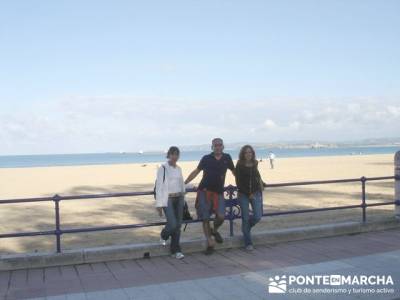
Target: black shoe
column 218, row 238
column 209, row 250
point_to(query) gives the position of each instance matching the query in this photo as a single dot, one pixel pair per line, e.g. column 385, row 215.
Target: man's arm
column 237, row 176
column 192, row 175
column 231, row 166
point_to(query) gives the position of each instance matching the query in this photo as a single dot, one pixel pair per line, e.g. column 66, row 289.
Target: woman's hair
column 242, row 158
column 173, row 150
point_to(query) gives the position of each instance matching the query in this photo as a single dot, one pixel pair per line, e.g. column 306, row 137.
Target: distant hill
column 303, row 144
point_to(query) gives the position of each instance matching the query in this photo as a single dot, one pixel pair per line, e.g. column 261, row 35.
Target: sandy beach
column 46, row 181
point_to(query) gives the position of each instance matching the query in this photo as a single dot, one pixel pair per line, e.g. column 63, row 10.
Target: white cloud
column 269, row 124
column 114, row 123
column 295, row 125
column 394, row 111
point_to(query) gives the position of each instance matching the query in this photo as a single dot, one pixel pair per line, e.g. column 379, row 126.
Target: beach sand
column 47, row 181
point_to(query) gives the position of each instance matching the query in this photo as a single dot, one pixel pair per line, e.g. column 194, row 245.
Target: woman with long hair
column 250, row 187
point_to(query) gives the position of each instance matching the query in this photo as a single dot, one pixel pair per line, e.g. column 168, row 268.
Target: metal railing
column 232, row 207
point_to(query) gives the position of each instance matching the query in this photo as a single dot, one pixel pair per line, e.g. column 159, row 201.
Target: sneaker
column 163, row 242
column 218, row 238
column 249, row 247
column 179, row 255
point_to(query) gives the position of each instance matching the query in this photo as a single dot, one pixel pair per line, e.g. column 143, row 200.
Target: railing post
column 56, row 200
column 364, row 204
column 397, row 184
column 231, row 216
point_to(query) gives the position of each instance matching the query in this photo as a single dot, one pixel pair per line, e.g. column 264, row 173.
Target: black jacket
column 248, row 179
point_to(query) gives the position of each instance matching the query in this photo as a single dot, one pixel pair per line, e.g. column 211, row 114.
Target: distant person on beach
column 250, row 187
column 210, row 194
column 271, row 157
column 169, row 194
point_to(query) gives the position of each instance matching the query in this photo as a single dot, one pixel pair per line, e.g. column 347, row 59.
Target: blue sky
column 95, row 76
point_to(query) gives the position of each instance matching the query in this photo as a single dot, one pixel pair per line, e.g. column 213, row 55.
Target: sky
column 100, row 76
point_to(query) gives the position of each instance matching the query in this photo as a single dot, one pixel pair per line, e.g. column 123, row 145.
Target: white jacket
column 162, row 186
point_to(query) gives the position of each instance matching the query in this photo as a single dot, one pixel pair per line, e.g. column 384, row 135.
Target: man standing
column 271, row 157
column 210, row 193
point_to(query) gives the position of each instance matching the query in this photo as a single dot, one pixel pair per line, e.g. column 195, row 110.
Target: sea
column 27, row 161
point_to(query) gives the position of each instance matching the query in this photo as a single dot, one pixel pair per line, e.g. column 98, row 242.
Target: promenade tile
column 232, row 273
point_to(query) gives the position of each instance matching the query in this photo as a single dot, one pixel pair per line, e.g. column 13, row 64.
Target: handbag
column 186, row 216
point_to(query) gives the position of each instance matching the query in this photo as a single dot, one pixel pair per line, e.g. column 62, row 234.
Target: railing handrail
column 230, row 214
column 148, row 193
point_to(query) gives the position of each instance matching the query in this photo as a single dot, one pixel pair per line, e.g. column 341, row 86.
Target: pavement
column 362, row 266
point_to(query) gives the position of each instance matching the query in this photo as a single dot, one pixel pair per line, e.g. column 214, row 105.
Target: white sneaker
column 163, row 242
column 249, row 248
column 179, row 255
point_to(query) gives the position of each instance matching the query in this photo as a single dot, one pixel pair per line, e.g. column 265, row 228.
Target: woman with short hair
column 169, row 194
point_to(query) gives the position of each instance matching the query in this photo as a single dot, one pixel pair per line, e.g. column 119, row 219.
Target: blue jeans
column 248, row 221
column 173, row 212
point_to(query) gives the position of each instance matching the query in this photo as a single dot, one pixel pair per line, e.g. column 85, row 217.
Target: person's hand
column 264, row 185
column 159, row 210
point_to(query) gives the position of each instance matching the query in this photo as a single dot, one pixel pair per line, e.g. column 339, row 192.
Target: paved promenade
column 228, row 274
